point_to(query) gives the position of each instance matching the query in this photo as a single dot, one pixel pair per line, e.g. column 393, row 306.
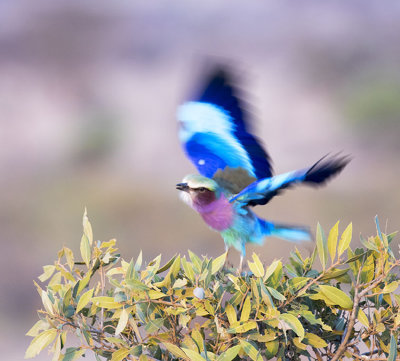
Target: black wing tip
column 326, row 168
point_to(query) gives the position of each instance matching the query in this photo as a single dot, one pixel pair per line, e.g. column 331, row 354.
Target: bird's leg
column 227, row 253
column 240, row 264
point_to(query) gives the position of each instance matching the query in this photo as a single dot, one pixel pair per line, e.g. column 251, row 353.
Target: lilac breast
column 218, row 214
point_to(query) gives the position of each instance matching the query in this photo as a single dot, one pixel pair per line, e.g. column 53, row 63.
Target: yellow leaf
column 299, row 344
column 175, row 350
column 87, row 228
column 231, row 314
column 188, row 268
column 193, row 355
column 123, row 320
column 256, row 267
column 294, row 323
column 314, row 340
column 271, row 269
column 391, row 287
column 37, row 327
column 48, row 305
column 362, row 317
column 154, row 295
column 40, row 342
column 47, row 272
column 70, row 257
column 120, row 354
column 229, row 354
column 218, row 263
column 332, row 240
column 345, row 239
column 84, row 300
column 251, row 351
column 244, row 327
column 336, row 296
column 84, row 282
column 85, row 250
column 321, row 246
column 105, row 302
column 246, row 310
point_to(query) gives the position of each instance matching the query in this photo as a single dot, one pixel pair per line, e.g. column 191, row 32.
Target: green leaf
column 123, row 320
column 85, row 250
column 321, row 246
column 193, row 355
column 73, row 353
column 40, row 342
column 83, row 283
column 136, row 285
column 218, row 263
column 298, row 282
column 334, row 273
column 229, row 354
column 246, row 310
column 275, row 294
column 313, row 320
column 154, row 325
column 332, row 240
column 130, row 271
column 167, row 265
column 345, row 239
column 251, row 351
column 84, row 300
column 294, row 323
column 336, row 296
column 120, row 354
column 256, row 267
column 393, row 348
column 175, row 350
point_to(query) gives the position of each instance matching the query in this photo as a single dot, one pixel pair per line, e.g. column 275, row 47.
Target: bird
column 236, row 174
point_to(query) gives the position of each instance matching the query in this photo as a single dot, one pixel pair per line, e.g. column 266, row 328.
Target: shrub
column 194, row 308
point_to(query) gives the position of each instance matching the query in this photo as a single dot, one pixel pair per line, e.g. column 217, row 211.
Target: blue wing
column 262, row 191
column 214, row 132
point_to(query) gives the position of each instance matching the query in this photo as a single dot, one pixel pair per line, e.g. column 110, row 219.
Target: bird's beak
column 182, row 186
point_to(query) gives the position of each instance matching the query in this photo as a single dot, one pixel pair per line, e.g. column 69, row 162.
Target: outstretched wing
column 215, row 134
column 262, row 191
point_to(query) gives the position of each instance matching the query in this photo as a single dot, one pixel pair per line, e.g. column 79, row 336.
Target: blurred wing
column 214, row 133
column 262, row 191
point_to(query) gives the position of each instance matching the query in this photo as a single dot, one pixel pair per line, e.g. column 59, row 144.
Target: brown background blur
column 88, row 92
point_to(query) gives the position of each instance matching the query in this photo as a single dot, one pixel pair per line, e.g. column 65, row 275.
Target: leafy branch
column 194, row 308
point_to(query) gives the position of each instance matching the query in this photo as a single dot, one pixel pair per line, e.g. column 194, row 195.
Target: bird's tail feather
column 325, row 168
column 287, row 232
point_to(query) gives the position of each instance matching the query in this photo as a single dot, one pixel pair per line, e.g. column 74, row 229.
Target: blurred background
column 88, row 92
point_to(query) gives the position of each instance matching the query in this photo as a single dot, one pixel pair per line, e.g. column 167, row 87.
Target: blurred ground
column 88, row 93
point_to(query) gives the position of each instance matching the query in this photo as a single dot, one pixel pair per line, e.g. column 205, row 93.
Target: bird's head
column 198, row 191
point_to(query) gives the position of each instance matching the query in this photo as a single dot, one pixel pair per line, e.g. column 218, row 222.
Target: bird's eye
column 202, row 189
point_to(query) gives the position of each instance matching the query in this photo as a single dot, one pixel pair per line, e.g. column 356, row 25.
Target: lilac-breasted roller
column 235, row 170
